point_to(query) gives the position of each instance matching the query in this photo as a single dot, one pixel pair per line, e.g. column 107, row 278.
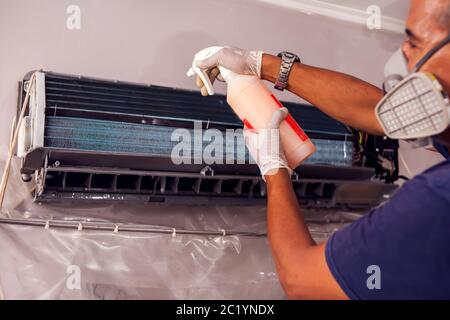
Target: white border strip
column 338, row 12
column 37, row 111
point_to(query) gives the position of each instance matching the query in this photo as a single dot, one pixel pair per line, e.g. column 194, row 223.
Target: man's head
column 427, row 25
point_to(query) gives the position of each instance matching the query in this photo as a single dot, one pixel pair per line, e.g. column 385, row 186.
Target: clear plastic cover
column 48, row 262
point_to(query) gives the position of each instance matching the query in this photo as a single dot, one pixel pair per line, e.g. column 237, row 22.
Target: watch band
column 287, row 61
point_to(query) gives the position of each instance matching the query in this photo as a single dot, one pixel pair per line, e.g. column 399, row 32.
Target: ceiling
column 393, row 12
column 397, row 9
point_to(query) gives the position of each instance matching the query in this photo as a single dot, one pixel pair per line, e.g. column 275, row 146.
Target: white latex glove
column 265, row 147
column 234, row 59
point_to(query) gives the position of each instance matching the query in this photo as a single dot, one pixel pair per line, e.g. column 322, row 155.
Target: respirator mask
column 415, row 107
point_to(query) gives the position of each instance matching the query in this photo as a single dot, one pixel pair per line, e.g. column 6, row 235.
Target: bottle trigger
column 204, row 54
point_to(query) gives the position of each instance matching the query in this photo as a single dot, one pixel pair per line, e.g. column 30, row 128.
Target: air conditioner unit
column 98, row 140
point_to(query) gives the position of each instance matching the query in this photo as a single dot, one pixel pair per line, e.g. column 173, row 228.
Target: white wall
column 154, row 41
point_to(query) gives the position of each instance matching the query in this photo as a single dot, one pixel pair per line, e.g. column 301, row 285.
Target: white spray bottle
column 254, row 104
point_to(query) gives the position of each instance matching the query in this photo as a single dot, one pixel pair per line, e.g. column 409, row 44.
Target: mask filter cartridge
column 416, row 108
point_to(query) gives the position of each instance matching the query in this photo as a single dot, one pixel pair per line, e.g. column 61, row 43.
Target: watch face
column 289, row 55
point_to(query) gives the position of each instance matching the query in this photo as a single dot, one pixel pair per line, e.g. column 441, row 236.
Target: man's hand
column 234, row 59
column 265, row 147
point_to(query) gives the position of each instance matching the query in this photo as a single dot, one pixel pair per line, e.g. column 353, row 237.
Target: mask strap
column 390, row 82
column 442, row 149
column 431, row 53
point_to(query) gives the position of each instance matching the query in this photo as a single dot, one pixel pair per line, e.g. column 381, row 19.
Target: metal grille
column 111, row 136
column 76, row 96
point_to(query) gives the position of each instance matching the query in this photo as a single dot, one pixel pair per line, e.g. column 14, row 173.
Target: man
column 407, row 239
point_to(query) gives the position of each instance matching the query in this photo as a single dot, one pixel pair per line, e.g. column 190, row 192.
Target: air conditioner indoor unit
column 98, row 140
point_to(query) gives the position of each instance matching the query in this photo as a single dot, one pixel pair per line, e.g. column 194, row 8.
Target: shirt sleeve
column 407, row 239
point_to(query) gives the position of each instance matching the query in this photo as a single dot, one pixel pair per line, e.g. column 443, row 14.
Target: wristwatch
column 287, row 61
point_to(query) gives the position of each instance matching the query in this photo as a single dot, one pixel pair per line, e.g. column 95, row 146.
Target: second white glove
column 265, row 146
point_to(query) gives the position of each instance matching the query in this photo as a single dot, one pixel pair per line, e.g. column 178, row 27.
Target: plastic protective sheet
column 66, row 263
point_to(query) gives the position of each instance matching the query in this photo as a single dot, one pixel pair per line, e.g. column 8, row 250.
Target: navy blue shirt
column 408, row 239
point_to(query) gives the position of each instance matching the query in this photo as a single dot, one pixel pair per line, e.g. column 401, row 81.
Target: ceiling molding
column 338, row 12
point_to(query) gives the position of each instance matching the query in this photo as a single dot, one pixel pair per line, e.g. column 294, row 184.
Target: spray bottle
column 254, row 104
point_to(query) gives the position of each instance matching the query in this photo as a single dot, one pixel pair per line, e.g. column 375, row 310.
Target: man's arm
column 343, row 97
column 300, row 263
